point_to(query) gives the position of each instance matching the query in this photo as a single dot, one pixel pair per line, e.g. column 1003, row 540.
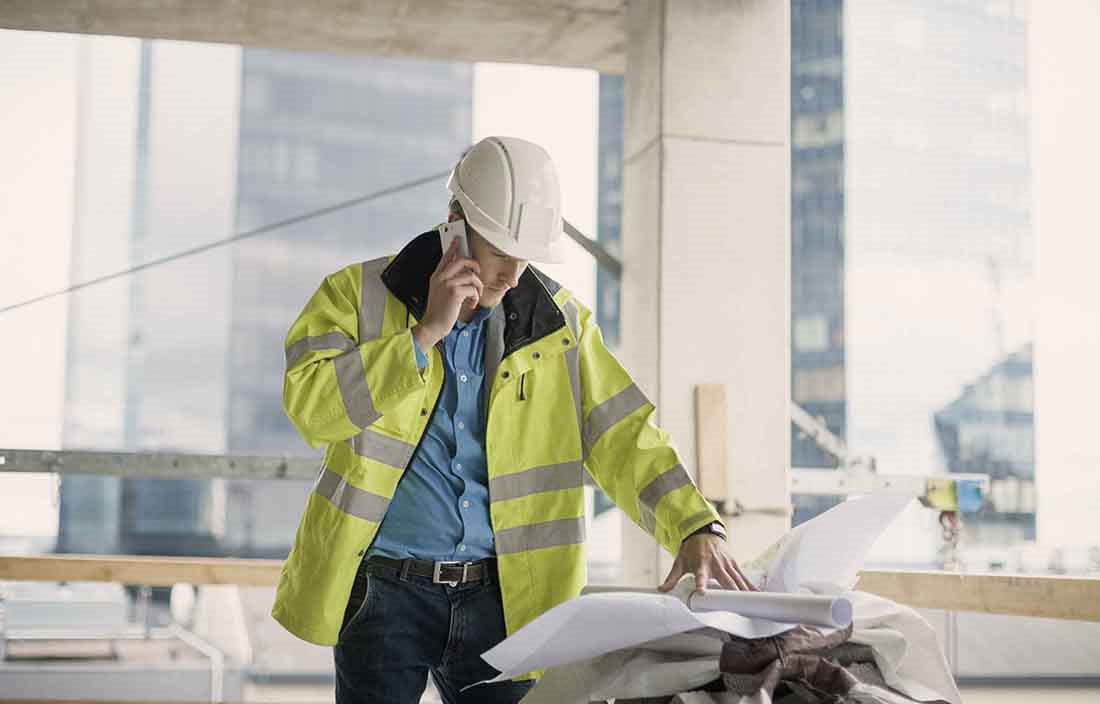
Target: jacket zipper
column 435, row 405
column 415, row 449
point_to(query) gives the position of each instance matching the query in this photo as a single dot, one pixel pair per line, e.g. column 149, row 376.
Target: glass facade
column 897, row 109
column 990, row 429
column 319, row 129
column 279, row 134
column 610, row 203
column 154, row 175
column 817, row 233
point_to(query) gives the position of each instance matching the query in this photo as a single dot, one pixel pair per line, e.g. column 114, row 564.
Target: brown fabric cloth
column 761, row 663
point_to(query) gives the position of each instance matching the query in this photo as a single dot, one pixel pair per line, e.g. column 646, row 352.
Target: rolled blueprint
column 828, row 611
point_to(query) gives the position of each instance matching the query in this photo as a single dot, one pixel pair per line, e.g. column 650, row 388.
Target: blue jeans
column 395, row 631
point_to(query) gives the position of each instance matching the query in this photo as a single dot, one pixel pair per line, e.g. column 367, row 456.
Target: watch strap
column 712, row 528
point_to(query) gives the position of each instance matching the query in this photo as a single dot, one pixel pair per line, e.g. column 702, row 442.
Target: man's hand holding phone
column 454, row 283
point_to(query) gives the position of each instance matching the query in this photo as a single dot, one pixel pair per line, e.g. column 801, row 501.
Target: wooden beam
column 139, row 569
column 711, row 451
column 1041, row 596
column 579, row 33
column 1074, row 598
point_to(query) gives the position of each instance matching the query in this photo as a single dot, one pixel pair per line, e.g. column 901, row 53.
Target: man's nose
column 513, row 276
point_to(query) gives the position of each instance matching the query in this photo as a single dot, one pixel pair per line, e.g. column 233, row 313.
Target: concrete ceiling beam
column 577, row 33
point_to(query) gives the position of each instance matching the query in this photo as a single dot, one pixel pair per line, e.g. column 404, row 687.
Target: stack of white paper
column 822, row 555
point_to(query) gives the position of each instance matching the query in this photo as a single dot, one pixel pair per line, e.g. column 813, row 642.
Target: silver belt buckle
column 439, row 566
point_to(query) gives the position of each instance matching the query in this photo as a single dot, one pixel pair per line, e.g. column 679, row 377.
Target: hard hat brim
column 550, row 253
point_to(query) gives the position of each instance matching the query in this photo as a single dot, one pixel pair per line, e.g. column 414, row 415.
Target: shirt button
column 461, row 425
column 463, row 377
column 462, row 548
column 458, row 466
column 466, row 504
column 465, row 333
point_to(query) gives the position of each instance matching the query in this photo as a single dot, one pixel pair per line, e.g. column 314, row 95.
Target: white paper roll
column 828, row 611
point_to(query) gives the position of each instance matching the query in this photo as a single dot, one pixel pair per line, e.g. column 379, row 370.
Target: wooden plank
column 1041, row 596
column 1074, row 598
column 711, row 449
column 140, row 569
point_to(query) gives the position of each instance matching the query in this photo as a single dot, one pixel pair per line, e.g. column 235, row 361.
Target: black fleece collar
column 529, row 308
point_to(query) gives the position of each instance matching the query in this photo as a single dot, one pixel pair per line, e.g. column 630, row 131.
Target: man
column 461, row 399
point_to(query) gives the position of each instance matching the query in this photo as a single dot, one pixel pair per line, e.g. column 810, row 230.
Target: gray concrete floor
column 1018, row 695
column 312, row 694
column 306, row 694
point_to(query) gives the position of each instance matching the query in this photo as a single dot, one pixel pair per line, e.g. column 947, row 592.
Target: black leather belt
column 445, row 572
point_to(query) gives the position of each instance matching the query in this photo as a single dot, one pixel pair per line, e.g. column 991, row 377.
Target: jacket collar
column 529, row 309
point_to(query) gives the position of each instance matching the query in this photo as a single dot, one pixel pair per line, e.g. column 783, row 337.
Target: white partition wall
column 706, row 234
column 1066, row 147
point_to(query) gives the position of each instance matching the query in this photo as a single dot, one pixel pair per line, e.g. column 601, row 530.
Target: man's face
column 499, row 272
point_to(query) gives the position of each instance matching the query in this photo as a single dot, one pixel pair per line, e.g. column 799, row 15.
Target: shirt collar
column 480, row 316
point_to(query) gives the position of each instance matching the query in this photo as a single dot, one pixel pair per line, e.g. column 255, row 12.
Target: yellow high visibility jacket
column 352, row 383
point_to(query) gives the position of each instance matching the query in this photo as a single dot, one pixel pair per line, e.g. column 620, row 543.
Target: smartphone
column 456, row 229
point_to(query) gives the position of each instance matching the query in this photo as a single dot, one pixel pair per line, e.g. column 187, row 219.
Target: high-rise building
column 910, row 217
column 990, row 429
column 316, row 130
column 154, row 175
column 939, row 249
column 817, row 232
column 188, row 356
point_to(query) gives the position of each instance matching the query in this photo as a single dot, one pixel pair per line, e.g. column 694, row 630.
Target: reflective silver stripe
column 665, row 482
column 328, row 341
column 572, row 317
column 350, row 499
column 604, row 416
column 572, row 360
column 351, row 377
column 647, row 519
column 382, row 448
column 551, row 477
column 692, row 521
column 565, row 531
column 372, row 303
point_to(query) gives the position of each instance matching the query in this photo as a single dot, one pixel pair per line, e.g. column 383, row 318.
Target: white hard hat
column 509, row 192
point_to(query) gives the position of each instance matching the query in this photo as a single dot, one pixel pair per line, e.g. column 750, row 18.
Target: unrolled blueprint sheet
column 828, row 550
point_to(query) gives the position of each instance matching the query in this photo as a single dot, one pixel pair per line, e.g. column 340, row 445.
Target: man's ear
column 472, row 238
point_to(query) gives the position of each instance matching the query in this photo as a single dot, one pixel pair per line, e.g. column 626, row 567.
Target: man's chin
column 491, row 301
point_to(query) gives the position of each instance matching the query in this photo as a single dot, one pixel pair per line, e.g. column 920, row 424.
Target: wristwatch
column 713, row 528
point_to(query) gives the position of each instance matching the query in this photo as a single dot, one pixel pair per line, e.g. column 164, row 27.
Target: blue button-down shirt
column 440, row 510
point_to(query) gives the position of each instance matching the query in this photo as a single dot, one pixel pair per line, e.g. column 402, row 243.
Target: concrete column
column 706, row 234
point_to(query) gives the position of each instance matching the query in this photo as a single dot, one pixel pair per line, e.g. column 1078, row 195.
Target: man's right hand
column 454, row 283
